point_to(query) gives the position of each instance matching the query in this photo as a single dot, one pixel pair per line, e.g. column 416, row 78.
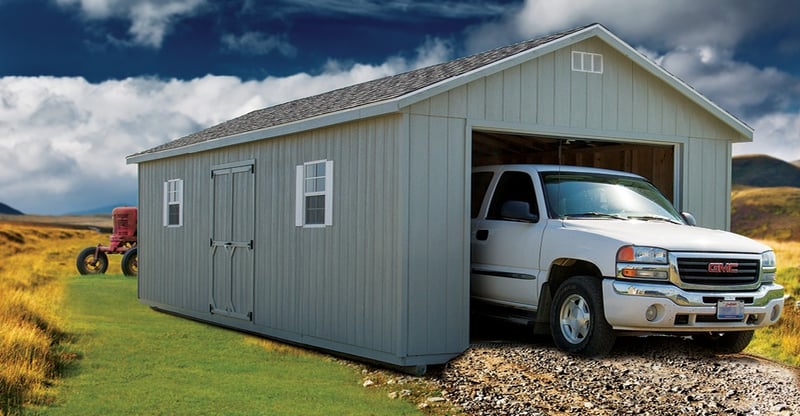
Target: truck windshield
column 590, row 195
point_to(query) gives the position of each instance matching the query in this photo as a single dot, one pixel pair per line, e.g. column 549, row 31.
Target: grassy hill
column 766, row 213
column 765, row 202
column 764, row 171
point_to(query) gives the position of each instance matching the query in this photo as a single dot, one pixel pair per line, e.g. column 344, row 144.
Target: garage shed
column 341, row 221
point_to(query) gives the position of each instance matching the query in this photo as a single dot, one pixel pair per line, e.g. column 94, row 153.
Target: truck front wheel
column 577, row 322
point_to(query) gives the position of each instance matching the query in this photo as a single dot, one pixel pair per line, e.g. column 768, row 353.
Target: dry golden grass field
column 34, row 261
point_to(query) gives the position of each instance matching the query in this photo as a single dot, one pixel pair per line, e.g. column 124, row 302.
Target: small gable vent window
column 587, row 62
column 314, row 198
column 173, row 203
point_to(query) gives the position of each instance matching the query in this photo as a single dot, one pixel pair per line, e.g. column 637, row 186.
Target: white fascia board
column 325, row 120
column 745, row 131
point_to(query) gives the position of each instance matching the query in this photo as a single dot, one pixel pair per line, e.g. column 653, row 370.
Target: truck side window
column 513, row 186
column 480, row 183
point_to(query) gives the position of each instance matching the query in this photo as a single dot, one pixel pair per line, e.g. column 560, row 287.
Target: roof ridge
column 357, row 95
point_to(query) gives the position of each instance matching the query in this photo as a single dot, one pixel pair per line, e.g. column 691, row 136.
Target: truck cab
column 592, row 254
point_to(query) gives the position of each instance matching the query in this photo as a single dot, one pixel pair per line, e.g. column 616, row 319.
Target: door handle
column 482, row 235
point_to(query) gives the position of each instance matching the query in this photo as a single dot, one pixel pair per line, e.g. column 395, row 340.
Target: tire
column 88, row 264
column 130, row 263
column 577, row 322
column 724, row 342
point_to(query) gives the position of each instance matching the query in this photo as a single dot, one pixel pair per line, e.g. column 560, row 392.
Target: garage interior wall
column 654, row 162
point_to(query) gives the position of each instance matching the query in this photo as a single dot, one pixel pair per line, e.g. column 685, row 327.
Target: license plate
column 730, row 309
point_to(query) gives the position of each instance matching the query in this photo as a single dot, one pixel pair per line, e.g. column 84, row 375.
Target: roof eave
column 325, row 120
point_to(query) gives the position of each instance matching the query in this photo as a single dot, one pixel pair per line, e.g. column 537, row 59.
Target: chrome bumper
column 676, row 310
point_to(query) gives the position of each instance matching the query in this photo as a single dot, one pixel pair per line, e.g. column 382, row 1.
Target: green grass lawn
column 133, row 360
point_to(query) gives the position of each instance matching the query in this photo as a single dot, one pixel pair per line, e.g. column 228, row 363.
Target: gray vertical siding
column 340, row 287
column 625, row 103
column 438, row 239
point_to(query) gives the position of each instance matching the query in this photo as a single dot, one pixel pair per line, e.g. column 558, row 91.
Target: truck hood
column 669, row 236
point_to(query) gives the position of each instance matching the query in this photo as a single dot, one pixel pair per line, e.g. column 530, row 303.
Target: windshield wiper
column 654, row 218
column 594, row 214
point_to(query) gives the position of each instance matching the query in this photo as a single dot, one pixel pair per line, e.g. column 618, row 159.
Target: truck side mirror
column 518, row 211
column 689, row 218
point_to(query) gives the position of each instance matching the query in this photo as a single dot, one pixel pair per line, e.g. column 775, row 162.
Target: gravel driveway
column 647, row 376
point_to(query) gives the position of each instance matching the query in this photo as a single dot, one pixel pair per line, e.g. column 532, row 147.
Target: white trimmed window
column 314, row 194
column 587, row 62
column 173, row 203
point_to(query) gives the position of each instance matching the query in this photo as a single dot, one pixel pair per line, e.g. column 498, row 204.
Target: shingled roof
column 358, row 95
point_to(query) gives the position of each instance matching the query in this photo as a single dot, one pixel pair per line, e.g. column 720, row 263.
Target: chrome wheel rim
column 575, row 319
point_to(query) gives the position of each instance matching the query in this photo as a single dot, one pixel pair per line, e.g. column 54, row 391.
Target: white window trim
column 178, row 201
column 587, row 62
column 300, row 194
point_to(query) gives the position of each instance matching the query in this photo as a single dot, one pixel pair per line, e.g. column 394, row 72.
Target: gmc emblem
column 723, row 267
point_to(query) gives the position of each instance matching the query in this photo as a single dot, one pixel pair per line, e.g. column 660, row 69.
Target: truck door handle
column 482, row 235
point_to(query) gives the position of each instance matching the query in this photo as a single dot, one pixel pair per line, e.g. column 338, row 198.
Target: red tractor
column 94, row 260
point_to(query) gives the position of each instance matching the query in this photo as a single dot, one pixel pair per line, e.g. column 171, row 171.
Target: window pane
column 480, row 183
column 174, row 217
column 310, row 171
column 315, row 209
column 513, row 186
column 597, row 65
column 320, row 169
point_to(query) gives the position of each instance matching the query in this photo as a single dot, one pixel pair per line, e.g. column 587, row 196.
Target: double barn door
column 232, row 229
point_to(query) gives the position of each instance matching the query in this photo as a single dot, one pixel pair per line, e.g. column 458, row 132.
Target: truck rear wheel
column 88, row 263
column 724, row 342
column 130, row 262
column 577, row 322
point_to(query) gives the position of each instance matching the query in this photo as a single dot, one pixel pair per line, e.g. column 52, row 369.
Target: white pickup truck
column 590, row 254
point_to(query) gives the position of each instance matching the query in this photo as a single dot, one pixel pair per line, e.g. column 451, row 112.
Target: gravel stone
column 642, row 376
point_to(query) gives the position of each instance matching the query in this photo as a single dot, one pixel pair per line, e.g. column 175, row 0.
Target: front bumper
column 625, row 305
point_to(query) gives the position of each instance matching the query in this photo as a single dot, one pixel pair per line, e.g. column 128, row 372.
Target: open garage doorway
column 654, row 162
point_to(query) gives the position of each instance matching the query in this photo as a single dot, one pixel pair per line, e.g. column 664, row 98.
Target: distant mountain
column 764, row 171
column 101, row 210
column 5, row 209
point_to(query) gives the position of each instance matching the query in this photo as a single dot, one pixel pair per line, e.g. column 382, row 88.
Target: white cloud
column 667, row 24
column 776, row 134
column 150, row 20
column 63, row 141
column 256, row 43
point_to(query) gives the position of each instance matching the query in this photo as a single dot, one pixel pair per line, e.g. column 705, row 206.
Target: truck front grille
column 718, row 271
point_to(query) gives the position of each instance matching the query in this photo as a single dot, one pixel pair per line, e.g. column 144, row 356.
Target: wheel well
column 561, row 270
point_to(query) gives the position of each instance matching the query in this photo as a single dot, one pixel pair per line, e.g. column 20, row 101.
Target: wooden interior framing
column 654, row 162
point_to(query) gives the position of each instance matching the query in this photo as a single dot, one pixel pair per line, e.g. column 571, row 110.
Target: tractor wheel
column 89, row 264
column 130, row 262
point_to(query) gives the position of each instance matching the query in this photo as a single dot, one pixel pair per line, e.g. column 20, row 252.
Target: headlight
column 768, row 266
column 635, row 262
column 636, row 254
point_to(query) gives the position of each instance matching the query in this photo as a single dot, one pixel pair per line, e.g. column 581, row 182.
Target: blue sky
column 83, row 83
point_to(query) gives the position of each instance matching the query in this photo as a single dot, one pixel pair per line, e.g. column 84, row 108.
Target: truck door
column 505, row 250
